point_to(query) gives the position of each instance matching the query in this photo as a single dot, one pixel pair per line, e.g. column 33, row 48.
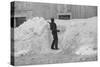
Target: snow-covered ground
column 76, row 36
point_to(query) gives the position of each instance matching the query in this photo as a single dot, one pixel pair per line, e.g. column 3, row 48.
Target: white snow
column 34, row 35
column 86, row 50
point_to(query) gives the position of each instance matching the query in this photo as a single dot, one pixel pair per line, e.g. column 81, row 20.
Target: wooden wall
column 83, row 11
column 35, row 10
column 29, row 10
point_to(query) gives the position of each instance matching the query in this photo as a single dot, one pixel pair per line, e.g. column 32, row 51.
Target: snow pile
column 32, row 35
column 32, row 25
column 77, row 34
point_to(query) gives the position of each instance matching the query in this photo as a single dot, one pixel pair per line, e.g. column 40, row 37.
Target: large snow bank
column 34, row 25
column 34, row 35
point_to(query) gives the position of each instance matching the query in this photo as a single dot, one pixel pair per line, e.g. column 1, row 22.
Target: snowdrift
column 34, row 35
